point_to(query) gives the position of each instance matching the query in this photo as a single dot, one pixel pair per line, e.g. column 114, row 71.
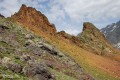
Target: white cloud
column 69, row 15
column 71, row 30
column 8, row 7
column 99, row 12
column 91, row 9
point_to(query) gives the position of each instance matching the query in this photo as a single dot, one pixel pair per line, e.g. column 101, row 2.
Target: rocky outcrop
column 33, row 19
column 72, row 39
column 38, row 72
column 92, row 30
column 93, row 40
column 63, row 34
column 1, row 16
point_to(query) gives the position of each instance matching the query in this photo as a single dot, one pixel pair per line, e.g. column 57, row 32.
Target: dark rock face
column 112, row 32
column 34, row 19
column 1, row 16
column 3, row 28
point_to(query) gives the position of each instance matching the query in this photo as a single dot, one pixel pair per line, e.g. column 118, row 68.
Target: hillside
column 101, row 67
column 26, row 56
column 112, row 32
column 92, row 36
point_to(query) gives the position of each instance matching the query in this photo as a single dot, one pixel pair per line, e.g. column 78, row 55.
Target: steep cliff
column 33, row 19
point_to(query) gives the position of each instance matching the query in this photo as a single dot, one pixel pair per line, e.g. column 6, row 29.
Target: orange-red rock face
column 32, row 18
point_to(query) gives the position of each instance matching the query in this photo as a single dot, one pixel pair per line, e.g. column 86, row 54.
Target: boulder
column 25, row 57
column 15, row 67
column 8, row 63
column 38, row 72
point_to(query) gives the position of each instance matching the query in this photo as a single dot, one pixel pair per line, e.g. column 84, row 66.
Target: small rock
column 29, row 36
column 29, row 41
column 25, row 58
column 6, row 61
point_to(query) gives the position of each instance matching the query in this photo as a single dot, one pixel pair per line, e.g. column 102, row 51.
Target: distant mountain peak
column 112, row 32
column 33, row 20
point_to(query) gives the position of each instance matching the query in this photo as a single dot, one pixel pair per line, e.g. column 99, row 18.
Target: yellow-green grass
column 61, row 76
column 83, row 58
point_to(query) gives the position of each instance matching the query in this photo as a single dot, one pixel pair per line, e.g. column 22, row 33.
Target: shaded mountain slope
column 24, row 55
column 79, row 50
column 112, row 32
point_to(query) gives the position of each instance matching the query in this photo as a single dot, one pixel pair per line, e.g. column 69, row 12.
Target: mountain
column 85, row 51
column 93, row 40
column 30, row 18
column 112, row 32
column 27, row 56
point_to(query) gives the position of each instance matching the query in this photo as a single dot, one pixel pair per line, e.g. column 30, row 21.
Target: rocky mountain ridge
column 89, row 49
column 112, row 32
column 92, row 36
column 30, row 18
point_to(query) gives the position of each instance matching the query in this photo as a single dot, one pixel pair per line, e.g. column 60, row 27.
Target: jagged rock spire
column 33, row 19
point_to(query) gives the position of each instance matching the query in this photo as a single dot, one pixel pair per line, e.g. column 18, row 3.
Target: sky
column 69, row 15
